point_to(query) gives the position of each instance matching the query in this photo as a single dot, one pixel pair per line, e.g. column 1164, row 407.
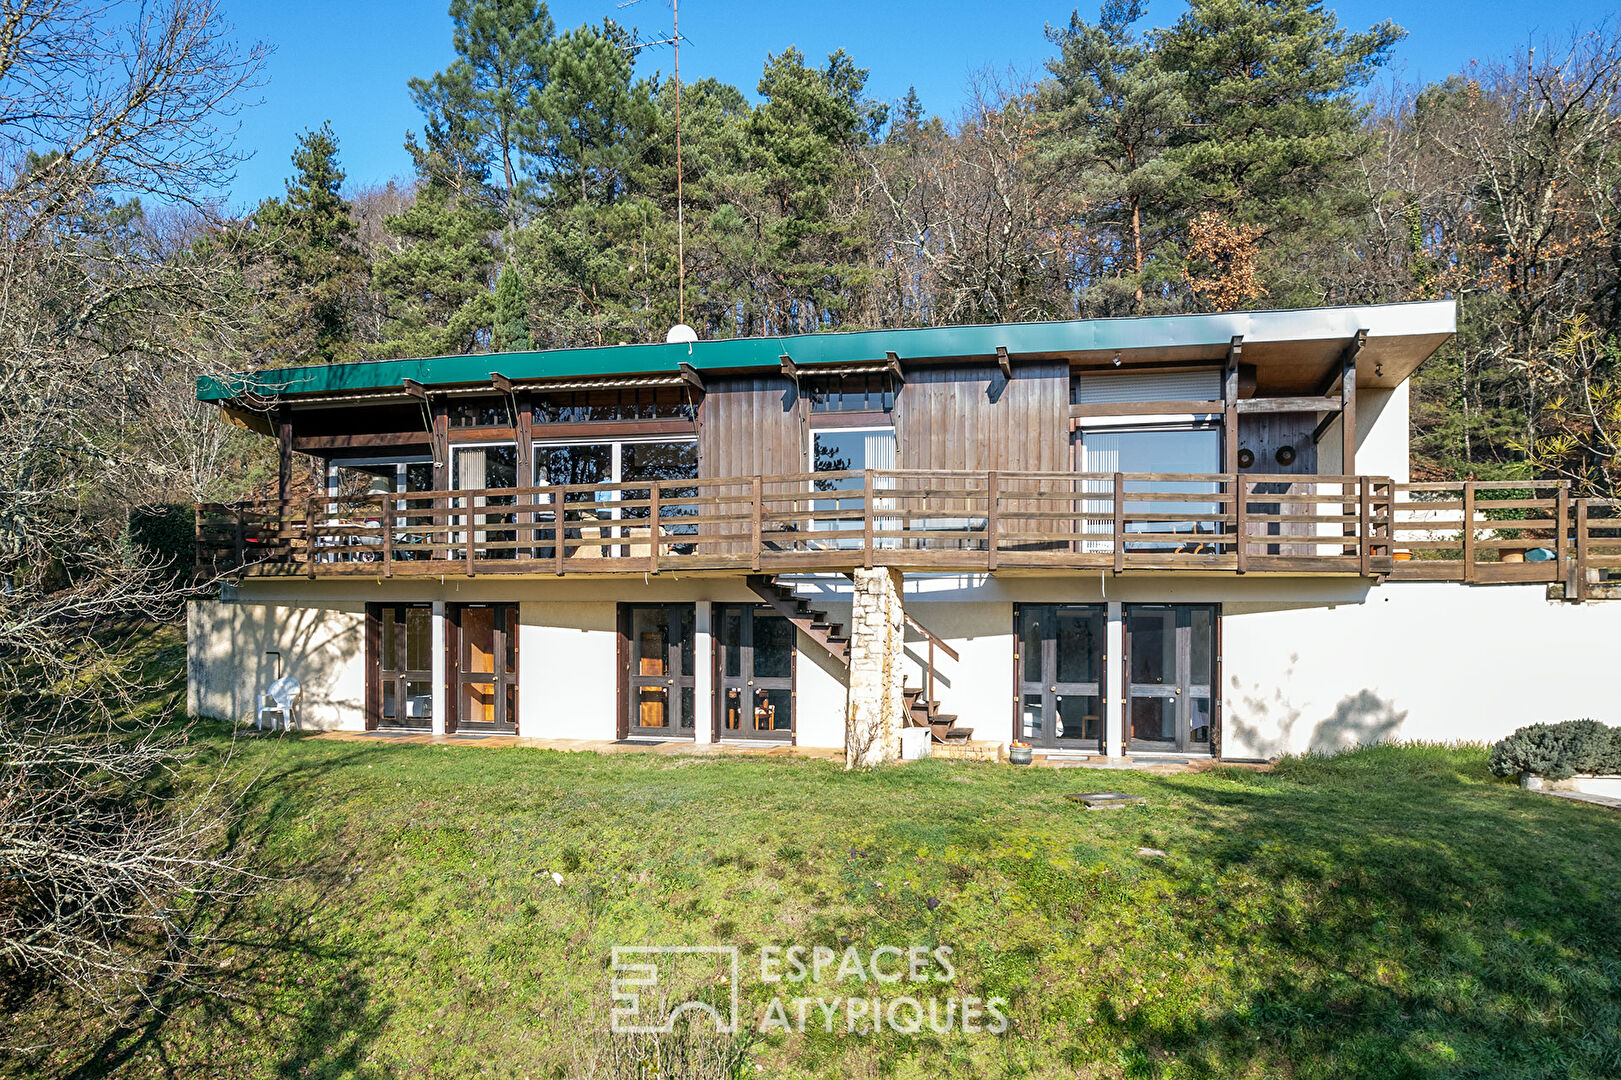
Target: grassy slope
column 1393, row 912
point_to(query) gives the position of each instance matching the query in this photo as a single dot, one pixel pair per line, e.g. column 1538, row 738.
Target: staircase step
column 959, row 734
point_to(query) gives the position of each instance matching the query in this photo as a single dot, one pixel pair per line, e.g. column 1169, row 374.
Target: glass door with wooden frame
column 1170, row 676
column 400, row 670
column 485, row 679
column 754, row 661
column 659, row 687
column 1058, row 652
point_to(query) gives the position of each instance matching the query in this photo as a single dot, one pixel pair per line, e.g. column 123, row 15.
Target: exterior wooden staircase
column 922, row 710
column 815, row 623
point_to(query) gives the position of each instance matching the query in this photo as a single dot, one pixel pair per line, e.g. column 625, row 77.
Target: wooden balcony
column 934, row 521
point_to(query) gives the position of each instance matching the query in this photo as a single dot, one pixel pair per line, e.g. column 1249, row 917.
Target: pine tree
column 1113, row 110
column 512, row 312
column 804, row 138
column 1273, row 130
column 437, row 288
column 594, row 121
column 503, row 48
column 305, row 264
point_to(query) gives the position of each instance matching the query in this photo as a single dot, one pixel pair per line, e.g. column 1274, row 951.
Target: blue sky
column 347, row 61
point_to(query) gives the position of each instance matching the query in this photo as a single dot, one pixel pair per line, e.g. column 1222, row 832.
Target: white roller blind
column 1156, row 386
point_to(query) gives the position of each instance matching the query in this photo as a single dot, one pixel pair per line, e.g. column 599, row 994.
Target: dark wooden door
column 1058, row 653
column 754, row 670
column 399, row 667
column 1170, row 676
column 484, row 677
column 658, row 686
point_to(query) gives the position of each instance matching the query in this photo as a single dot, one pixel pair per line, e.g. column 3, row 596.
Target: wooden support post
column 468, row 535
column 241, row 538
column 653, row 527
column 1468, row 530
column 284, row 451
column 439, row 447
column 1241, row 522
column 755, row 529
column 524, row 431
column 1119, row 522
column 311, row 539
column 1229, row 406
column 558, row 516
column 1581, row 550
column 197, row 538
column 866, row 518
column 993, row 497
column 1561, row 519
column 1364, row 544
column 388, row 534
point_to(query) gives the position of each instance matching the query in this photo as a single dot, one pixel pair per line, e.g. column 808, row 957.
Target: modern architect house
column 1179, row 535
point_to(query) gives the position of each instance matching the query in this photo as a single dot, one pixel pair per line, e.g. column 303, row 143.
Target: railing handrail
column 978, row 520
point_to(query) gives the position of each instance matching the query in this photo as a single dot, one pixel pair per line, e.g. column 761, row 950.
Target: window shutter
column 1112, row 387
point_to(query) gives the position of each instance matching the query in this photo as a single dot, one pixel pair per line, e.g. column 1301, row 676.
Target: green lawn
column 1392, row 912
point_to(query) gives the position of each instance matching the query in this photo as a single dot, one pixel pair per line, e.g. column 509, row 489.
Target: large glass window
column 353, row 529
column 610, row 406
column 870, row 392
column 476, row 469
column 633, row 463
column 1155, row 450
column 846, row 451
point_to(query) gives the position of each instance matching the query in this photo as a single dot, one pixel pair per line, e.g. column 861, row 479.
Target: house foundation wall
column 1307, row 664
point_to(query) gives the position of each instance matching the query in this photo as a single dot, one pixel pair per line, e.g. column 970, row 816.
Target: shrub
column 1560, row 750
column 161, row 534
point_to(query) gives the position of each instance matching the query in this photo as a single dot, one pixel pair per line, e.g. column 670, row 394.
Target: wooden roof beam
column 894, row 366
column 690, row 376
column 1004, row 362
column 789, row 369
column 1336, row 378
column 415, row 389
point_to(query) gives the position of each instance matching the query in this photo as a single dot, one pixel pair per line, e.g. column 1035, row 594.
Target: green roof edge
column 1076, row 335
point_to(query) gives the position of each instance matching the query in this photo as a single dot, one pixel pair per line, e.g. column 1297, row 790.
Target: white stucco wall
column 1381, row 436
column 320, row 645
column 1434, row 662
column 567, row 653
column 1307, row 664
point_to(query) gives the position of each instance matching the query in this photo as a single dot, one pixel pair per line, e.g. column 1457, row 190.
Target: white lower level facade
column 1109, row 665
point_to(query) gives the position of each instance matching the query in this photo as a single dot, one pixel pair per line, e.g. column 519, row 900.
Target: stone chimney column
column 876, row 707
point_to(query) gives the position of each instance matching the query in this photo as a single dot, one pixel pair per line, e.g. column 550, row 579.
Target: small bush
column 1560, row 750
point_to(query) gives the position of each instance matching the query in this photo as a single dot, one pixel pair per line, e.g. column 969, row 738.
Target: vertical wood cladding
column 751, row 426
column 970, row 417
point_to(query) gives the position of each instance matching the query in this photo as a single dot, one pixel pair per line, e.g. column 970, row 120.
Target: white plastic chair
column 278, row 699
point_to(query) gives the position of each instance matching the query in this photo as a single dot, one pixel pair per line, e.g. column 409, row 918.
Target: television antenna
column 674, row 41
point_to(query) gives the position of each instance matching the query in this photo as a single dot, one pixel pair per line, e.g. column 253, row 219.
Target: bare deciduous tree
column 115, row 131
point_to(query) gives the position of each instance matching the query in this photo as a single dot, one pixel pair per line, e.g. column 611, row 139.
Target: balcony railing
column 915, row 520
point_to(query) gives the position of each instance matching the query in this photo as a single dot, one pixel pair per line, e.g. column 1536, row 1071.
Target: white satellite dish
column 681, row 334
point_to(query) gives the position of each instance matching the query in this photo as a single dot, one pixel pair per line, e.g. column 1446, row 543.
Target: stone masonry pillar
column 876, row 708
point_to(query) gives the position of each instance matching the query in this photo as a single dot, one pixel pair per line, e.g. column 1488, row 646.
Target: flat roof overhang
column 1293, row 350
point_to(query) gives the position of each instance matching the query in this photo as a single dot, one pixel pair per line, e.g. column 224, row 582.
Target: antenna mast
column 674, row 41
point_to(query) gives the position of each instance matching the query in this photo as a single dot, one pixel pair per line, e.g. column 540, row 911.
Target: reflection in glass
column 1080, row 716
column 773, row 647
column 1080, row 643
column 1031, row 717
column 1153, row 645
column 1153, row 719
